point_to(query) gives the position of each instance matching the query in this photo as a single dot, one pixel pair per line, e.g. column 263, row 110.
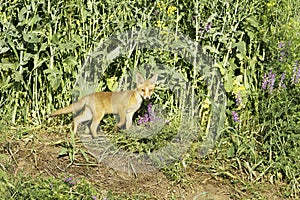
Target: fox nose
column 147, row 98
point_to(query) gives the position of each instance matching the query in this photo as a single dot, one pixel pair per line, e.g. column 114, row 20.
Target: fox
column 123, row 103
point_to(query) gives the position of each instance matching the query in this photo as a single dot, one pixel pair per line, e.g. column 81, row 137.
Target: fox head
column 146, row 87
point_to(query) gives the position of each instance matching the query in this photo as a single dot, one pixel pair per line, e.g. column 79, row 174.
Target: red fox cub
column 125, row 104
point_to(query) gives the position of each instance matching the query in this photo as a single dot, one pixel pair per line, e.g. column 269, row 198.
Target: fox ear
column 139, row 79
column 154, row 79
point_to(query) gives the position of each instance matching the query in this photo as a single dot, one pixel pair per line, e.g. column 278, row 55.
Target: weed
column 254, row 44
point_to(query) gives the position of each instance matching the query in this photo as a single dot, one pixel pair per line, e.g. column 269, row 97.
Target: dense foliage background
column 255, row 44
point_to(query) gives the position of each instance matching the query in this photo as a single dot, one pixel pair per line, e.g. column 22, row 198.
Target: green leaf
column 54, row 39
column 7, row 65
column 18, row 76
column 54, row 77
column 26, row 58
column 77, row 39
column 114, row 53
column 241, row 46
column 31, row 37
column 84, row 155
column 67, row 46
column 21, row 14
column 211, row 49
column 63, row 152
column 12, row 45
column 35, row 19
column 232, row 64
column 253, row 21
column 112, row 84
column 228, row 83
column 240, row 56
column 221, row 68
column 70, row 60
column 43, row 47
column 250, row 34
column 3, row 49
column 230, row 152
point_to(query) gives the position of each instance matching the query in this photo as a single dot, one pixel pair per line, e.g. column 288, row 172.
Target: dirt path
column 39, row 157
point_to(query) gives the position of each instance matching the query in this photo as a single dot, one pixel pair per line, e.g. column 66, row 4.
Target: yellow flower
column 293, row 24
column 241, row 88
column 206, row 103
column 271, row 4
column 161, row 5
column 238, row 85
column 171, row 10
column 160, row 24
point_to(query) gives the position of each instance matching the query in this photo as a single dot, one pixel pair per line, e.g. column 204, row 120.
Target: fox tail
column 71, row 108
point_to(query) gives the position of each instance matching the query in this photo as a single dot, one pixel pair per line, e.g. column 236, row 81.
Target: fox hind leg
column 97, row 117
column 122, row 117
column 82, row 117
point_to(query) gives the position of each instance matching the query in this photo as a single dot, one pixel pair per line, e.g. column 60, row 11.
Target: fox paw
column 116, row 129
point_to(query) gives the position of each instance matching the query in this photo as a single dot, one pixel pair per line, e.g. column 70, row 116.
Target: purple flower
column 238, row 100
column 149, row 109
column 94, row 197
column 148, row 117
column 235, row 117
column 282, row 55
column 208, row 26
column 67, row 180
column 265, row 82
column 268, row 81
column 297, row 76
column 280, row 45
column 155, row 12
column 143, row 120
column 296, row 73
column 72, row 183
column 177, row 140
column 151, row 113
column 272, row 81
column 281, row 84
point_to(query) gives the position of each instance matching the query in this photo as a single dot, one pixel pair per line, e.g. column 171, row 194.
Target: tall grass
column 43, row 45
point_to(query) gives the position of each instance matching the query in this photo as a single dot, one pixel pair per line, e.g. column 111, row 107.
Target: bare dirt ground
column 38, row 156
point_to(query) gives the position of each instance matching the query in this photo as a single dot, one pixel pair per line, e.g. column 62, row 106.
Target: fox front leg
column 129, row 116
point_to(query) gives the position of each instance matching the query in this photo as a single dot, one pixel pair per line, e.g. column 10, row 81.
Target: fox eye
column 143, row 90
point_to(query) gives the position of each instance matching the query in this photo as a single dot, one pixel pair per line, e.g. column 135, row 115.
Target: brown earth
column 37, row 155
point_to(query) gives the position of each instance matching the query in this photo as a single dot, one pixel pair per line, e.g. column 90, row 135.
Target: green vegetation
column 255, row 44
